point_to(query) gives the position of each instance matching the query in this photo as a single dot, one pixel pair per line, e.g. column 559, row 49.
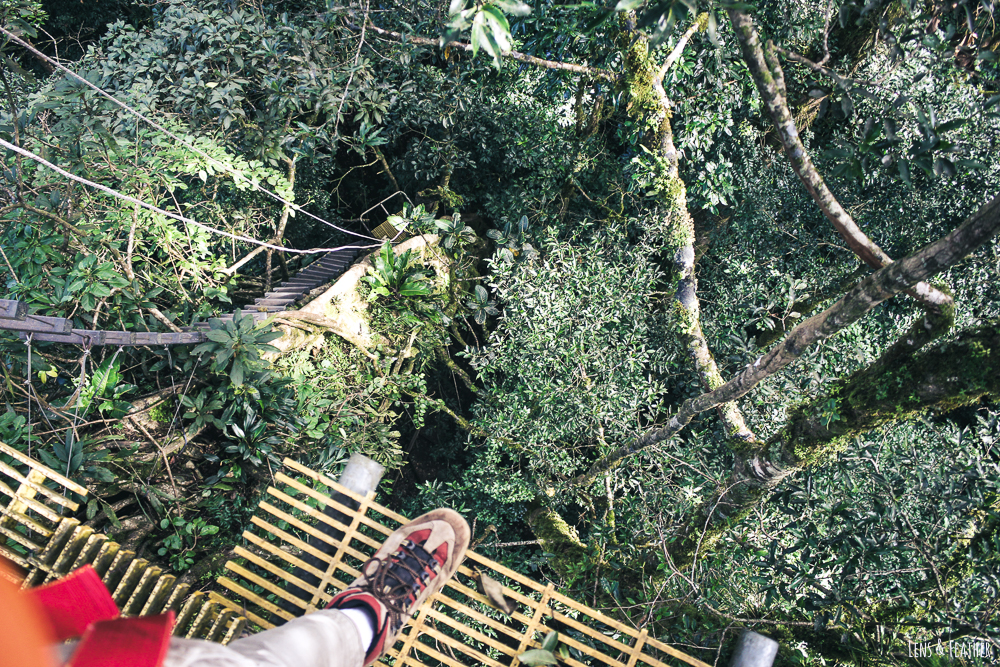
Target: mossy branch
column 770, row 80
column 981, row 226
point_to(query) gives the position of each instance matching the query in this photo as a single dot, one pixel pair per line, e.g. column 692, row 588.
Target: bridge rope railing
column 41, row 328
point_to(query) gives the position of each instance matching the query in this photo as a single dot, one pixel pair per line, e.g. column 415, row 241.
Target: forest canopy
column 694, row 307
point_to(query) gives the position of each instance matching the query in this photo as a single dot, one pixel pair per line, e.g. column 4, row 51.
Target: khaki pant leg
column 322, row 639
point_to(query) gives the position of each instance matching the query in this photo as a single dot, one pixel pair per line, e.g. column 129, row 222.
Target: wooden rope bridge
column 14, row 314
column 457, row 627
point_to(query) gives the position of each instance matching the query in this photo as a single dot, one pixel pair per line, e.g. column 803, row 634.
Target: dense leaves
column 549, row 332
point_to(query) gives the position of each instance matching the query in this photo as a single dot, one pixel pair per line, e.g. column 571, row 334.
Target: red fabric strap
column 74, row 602
column 141, row 641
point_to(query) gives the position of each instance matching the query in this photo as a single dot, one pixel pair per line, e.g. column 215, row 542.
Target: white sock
column 365, row 624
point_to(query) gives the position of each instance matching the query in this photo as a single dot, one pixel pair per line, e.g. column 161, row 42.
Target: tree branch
column 769, row 77
column 870, row 292
column 679, row 49
column 513, row 55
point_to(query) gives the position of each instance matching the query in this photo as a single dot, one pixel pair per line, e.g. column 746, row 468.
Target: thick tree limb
column 870, row 292
column 769, row 77
column 279, row 235
column 513, row 55
column 805, row 307
column 683, row 284
column 155, row 312
column 334, row 326
column 944, row 377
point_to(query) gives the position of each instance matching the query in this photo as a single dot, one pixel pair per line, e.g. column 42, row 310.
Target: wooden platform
column 36, row 535
column 456, row 628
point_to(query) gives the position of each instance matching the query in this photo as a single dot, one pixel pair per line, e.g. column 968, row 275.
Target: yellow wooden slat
column 587, row 650
column 48, row 472
column 671, row 651
column 27, row 522
column 286, row 537
column 534, row 622
column 275, row 550
column 249, row 615
column 31, row 503
column 329, row 520
column 433, row 653
column 364, row 502
column 476, row 595
column 284, row 576
column 457, row 645
column 507, row 572
column 265, row 584
column 349, row 534
column 10, row 554
column 20, row 539
column 52, row 495
column 416, row 626
column 301, row 525
column 590, row 631
column 333, row 484
column 576, row 615
column 472, row 634
column 478, row 616
column 636, row 649
column 250, row 596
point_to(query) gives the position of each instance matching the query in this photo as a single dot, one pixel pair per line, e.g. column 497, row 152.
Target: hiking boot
column 413, row 563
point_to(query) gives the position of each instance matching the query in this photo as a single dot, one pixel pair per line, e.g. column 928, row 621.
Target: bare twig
column 513, row 55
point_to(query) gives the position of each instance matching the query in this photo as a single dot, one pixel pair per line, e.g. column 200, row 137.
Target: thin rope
column 28, row 387
column 76, row 412
column 190, row 146
column 157, row 209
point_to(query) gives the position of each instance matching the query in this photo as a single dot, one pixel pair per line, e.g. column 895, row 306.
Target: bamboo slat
column 49, row 472
column 32, row 508
column 455, row 627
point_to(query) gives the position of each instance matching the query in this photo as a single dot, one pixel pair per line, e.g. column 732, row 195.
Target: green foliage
column 567, row 327
column 481, row 305
column 455, row 234
column 392, row 278
column 77, row 459
column 545, row 655
column 510, row 241
column 236, row 346
column 488, row 26
column 105, row 390
column 179, row 546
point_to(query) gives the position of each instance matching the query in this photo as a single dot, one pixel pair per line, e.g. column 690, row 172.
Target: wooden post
column 754, row 650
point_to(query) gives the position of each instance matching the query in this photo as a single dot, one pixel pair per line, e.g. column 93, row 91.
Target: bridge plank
column 38, row 324
column 13, row 310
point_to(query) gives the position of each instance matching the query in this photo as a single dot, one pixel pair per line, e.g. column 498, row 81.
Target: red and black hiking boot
column 413, row 563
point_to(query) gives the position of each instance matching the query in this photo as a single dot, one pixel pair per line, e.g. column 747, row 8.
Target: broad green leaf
column 500, row 28
column 236, row 374
column 513, row 7
column 537, row 657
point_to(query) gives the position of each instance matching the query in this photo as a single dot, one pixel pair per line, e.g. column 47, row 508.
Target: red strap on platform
column 75, row 601
column 141, row 641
